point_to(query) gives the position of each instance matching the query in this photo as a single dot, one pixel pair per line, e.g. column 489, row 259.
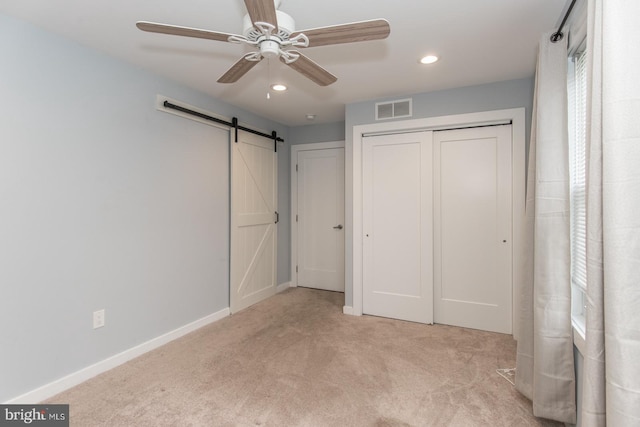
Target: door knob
column 338, row 227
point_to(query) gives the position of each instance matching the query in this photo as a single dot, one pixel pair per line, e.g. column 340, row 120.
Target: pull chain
column 268, row 77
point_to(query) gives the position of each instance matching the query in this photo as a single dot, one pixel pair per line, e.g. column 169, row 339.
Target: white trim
column 578, row 339
column 347, row 309
column 579, row 333
column 283, row 287
column 295, row 149
column 48, row 390
column 443, row 127
column 317, row 146
column 517, row 118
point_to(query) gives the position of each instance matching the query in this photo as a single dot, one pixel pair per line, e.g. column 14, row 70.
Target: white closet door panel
column 473, row 228
column 397, row 204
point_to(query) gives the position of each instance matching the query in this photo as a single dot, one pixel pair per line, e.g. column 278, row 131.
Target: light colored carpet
column 296, row 360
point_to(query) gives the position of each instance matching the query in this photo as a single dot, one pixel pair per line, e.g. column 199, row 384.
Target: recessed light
column 429, row 59
column 311, row 116
column 278, row 87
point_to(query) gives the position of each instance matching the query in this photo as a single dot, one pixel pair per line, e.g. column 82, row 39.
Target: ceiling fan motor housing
column 286, row 26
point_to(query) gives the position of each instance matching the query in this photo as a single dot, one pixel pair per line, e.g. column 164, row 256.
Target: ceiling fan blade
column 238, row 70
column 262, row 11
column 175, row 30
column 311, row 70
column 347, row 33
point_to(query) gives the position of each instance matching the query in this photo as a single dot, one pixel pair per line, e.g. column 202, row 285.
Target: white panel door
column 253, row 228
column 397, row 226
column 320, row 219
column 473, row 233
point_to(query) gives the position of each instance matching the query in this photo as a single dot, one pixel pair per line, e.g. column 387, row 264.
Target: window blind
column 579, row 177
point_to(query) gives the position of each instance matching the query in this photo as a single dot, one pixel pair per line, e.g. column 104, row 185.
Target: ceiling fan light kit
column 272, row 33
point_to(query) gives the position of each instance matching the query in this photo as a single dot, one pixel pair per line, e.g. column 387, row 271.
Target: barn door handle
column 277, row 217
column 338, row 227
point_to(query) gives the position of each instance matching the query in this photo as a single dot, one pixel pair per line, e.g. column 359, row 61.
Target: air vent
column 393, row 109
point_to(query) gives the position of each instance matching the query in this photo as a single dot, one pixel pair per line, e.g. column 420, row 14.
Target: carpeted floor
column 296, row 360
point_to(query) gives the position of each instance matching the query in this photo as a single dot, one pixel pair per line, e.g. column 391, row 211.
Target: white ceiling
column 478, row 41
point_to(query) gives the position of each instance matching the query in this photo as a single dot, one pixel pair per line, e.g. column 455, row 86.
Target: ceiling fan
column 272, row 34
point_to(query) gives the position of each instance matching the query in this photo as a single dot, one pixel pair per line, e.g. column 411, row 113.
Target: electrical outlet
column 98, row 319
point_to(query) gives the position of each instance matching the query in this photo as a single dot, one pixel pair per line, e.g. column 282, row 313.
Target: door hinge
column 296, row 168
column 296, row 268
column 296, row 218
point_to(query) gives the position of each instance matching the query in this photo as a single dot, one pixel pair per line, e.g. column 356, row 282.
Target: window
column 577, row 170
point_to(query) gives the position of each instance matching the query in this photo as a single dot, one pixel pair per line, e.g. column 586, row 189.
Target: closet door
column 397, row 227
column 473, row 228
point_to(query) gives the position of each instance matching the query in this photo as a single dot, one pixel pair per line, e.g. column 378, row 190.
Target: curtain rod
column 559, row 35
column 234, row 123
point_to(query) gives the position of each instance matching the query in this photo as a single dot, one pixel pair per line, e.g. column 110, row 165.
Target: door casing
column 295, row 149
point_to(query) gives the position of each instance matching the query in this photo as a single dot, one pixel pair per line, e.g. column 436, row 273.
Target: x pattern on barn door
column 253, row 220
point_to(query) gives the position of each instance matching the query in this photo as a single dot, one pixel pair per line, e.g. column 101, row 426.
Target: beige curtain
column 545, row 369
column 593, row 389
column 612, row 383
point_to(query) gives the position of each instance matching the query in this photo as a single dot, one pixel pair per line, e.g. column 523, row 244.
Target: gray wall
column 470, row 99
column 316, row 133
column 106, row 203
column 487, row 97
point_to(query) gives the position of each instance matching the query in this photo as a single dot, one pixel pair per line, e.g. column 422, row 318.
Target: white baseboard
column 347, row 309
column 48, row 390
column 283, row 286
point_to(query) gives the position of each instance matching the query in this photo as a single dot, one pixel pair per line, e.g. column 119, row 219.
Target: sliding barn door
column 253, row 220
column 397, row 227
column 473, row 228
